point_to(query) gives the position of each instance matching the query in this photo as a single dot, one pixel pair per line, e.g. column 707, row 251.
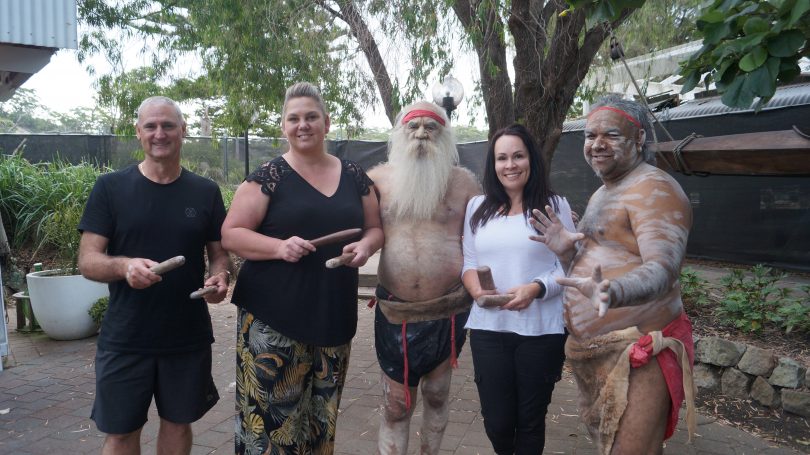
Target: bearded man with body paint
column 630, row 343
column 422, row 305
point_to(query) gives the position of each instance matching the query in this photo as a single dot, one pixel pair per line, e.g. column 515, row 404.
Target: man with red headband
column 630, row 343
column 422, row 305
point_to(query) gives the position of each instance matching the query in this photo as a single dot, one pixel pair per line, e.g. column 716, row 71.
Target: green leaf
column 801, row 7
column 712, row 16
column 789, row 69
column 692, row 80
column 753, row 59
column 723, row 67
column 737, row 94
column 714, row 32
column 728, row 4
column 786, row 44
column 757, row 24
column 760, row 82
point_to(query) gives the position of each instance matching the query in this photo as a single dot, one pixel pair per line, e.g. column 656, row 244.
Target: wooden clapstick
column 335, row 237
column 343, row 259
column 487, row 284
column 487, row 301
column 168, row 264
column 485, row 278
column 202, row 292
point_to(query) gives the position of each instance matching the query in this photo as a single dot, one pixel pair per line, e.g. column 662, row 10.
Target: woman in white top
column 517, row 348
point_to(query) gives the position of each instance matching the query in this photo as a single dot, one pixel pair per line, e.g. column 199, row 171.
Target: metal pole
column 247, row 155
column 447, row 104
column 225, row 157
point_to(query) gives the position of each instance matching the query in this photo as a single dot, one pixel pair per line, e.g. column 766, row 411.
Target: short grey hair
column 159, row 100
column 303, row 90
column 638, row 112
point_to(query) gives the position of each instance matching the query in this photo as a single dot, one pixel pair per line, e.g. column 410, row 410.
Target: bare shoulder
column 379, row 172
column 465, row 182
column 650, row 181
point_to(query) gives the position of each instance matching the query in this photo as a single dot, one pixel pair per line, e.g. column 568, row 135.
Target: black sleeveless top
column 304, row 300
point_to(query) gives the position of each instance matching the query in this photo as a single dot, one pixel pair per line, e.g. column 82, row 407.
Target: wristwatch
column 542, row 287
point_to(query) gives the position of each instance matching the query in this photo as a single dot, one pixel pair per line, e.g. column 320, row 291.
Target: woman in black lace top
column 296, row 317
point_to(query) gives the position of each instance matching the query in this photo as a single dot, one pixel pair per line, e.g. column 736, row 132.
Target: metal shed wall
column 42, row 23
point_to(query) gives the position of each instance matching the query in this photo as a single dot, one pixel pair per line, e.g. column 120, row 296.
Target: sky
column 63, row 84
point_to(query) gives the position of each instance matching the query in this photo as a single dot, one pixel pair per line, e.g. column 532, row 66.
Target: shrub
column 795, row 314
column 43, row 202
column 694, row 289
column 98, row 309
column 750, row 302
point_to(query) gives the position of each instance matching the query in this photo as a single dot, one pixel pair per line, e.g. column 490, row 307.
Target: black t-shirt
column 304, row 300
column 141, row 218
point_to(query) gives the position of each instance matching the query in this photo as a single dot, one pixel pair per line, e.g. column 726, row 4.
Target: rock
column 788, row 373
column 796, row 402
column 735, row 383
column 718, row 351
column 764, row 393
column 757, row 361
column 807, row 378
column 707, row 377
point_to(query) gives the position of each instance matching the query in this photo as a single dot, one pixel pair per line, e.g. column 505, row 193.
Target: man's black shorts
column 125, row 384
column 428, row 343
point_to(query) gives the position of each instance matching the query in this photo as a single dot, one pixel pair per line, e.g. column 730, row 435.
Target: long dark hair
column 536, row 194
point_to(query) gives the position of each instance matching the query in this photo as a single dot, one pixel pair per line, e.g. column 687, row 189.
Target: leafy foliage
column 694, row 289
column 42, row 204
column 25, row 113
column 752, row 300
column 748, row 47
column 99, row 309
column 748, row 300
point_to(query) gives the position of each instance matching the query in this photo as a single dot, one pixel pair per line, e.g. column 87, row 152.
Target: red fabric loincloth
column 681, row 329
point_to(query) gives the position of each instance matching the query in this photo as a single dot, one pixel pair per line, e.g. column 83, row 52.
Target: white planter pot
column 60, row 303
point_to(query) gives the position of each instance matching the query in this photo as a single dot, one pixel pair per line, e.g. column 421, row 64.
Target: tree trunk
column 488, row 39
column 350, row 14
column 550, row 68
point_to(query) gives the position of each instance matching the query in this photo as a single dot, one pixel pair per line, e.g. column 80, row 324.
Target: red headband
column 618, row 111
column 422, row 113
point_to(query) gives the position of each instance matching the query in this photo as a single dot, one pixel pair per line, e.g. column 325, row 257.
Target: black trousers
column 515, row 375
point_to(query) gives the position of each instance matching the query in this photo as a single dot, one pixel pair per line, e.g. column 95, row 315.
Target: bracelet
column 226, row 272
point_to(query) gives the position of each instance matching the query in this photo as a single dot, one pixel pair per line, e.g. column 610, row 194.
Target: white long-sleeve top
column 504, row 246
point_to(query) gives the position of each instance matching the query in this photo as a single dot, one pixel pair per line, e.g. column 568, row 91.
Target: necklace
column 141, row 168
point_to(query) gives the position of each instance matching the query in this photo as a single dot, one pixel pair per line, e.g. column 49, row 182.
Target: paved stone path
column 46, row 393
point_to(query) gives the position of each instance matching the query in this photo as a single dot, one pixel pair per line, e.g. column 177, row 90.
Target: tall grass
column 42, row 203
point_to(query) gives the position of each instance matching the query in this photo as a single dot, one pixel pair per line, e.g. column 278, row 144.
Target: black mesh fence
column 738, row 219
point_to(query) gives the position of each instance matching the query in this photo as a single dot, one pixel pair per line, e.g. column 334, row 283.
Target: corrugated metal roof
column 44, row 23
column 788, row 96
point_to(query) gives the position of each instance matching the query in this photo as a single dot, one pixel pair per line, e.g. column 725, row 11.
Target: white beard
column 420, row 173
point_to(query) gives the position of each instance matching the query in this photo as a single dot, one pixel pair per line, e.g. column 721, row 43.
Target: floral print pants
column 287, row 393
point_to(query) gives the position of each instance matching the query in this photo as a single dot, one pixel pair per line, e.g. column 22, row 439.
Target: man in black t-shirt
column 155, row 340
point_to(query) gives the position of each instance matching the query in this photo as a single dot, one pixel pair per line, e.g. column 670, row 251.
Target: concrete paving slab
column 47, row 390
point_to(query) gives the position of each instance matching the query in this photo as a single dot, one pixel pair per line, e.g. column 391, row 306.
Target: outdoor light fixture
column 448, row 94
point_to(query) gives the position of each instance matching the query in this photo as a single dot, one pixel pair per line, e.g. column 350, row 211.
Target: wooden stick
column 488, row 284
column 485, row 278
column 335, row 237
column 343, row 259
column 202, row 292
column 487, row 301
column 168, row 264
